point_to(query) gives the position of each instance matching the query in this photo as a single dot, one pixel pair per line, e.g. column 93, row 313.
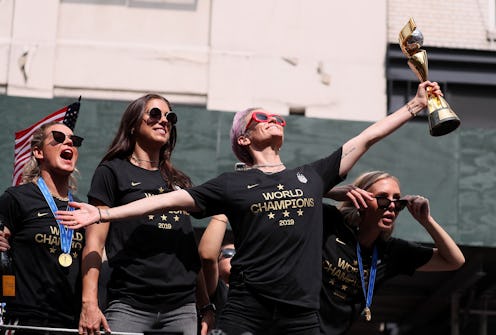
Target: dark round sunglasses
column 156, row 114
column 227, row 253
column 59, row 137
column 384, row 202
column 264, row 117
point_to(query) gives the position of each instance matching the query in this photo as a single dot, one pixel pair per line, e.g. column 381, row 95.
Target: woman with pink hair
column 276, row 217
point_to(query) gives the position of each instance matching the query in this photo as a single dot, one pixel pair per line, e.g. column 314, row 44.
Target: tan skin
column 208, row 249
column 263, row 141
column 376, row 221
column 150, row 137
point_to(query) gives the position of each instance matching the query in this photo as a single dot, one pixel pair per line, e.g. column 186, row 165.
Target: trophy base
column 442, row 119
column 440, row 124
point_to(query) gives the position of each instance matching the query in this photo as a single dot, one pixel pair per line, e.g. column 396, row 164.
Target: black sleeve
column 331, row 217
column 9, row 211
column 407, row 256
column 210, row 197
column 103, row 186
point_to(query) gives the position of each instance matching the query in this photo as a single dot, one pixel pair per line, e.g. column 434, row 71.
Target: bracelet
column 410, row 110
column 100, row 214
column 208, row 307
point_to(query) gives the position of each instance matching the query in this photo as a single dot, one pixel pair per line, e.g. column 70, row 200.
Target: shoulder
column 114, row 163
column 21, row 190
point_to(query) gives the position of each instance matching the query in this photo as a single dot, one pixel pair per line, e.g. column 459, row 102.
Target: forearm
column 92, row 257
column 202, row 296
column 357, row 146
column 92, row 261
column 168, row 201
column 447, row 255
column 211, row 241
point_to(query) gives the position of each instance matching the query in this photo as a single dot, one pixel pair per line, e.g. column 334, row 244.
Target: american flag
column 22, row 149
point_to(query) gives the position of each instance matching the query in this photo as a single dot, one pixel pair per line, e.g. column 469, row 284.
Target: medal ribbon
column 65, row 233
column 373, row 269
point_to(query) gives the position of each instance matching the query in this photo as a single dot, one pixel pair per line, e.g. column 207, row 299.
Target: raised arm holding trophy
column 442, row 120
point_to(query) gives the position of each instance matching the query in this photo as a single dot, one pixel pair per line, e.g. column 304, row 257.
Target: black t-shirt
column 45, row 290
column 341, row 298
column 277, row 224
column 154, row 258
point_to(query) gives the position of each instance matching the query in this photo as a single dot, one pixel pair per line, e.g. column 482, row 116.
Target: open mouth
column 67, row 154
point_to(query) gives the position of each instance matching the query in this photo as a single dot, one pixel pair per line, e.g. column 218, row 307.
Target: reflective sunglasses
column 227, row 253
column 156, row 114
column 59, row 137
column 264, row 117
column 384, row 202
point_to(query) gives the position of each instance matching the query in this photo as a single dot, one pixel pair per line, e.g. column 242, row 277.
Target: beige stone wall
column 323, row 56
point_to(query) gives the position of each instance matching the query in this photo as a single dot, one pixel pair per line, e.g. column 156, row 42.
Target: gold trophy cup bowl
column 442, row 119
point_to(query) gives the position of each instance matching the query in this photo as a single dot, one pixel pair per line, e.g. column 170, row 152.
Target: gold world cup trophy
column 442, row 119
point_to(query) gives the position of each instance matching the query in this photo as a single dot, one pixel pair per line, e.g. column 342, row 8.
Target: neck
column 367, row 238
column 141, row 160
column 57, row 185
column 145, row 158
column 256, row 166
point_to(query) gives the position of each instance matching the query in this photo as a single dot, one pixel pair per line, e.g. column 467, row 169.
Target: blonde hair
column 31, row 170
column 365, row 181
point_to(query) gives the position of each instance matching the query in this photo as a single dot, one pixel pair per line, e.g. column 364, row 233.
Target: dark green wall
column 457, row 172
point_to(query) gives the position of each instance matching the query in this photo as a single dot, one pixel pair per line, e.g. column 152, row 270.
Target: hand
column 207, row 322
column 423, row 91
column 418, row 206
column 4, row 239
column 350, row 192
column 85, row 216
column 91, row 320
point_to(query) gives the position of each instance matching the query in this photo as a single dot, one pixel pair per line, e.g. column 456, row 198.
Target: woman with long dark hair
column 153, row 258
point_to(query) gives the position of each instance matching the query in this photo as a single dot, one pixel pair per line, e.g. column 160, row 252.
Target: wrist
column 414, row 107
column 89, row 302
column 210, row 307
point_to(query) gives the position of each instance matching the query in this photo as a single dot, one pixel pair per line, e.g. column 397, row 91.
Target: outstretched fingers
column 85, row 215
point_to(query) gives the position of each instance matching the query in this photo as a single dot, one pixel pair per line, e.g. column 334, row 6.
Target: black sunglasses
column 384, row 202
column 227, row 253
column 156, row 114
column 59, row 137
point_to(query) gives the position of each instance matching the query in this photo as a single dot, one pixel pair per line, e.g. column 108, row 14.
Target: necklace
column 256, row 166
column 60, row 198
column 139, row 160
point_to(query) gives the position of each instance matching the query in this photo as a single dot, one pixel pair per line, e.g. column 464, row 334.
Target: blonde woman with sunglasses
column 46, row 257
column 359, row 254
column 276, row 216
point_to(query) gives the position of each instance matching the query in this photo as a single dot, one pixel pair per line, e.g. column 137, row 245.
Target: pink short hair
column 238, row 129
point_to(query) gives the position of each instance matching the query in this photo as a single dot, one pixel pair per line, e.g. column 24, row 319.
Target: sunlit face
column 56, row 156
column 152, row 130
column 375, row 216
column 270, row 128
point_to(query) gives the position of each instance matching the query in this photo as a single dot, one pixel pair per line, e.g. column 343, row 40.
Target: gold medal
column 65, row 260
column 367, row 313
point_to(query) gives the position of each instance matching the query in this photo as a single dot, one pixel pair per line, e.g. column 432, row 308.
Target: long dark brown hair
column 124, row 141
